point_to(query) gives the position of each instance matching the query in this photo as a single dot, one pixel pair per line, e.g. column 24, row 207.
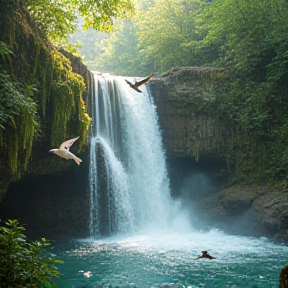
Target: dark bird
column 205, row 254
column 137, row 84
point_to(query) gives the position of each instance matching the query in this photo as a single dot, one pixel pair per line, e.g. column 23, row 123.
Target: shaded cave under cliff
column 52, row 206
column 57, row 206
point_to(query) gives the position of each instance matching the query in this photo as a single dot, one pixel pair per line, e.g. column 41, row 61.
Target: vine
column 39, row 91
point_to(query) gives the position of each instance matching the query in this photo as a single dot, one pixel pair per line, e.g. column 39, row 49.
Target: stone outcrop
column 53, row 205
column 195, row 147
column 283, row 278
column 186, row 112
column 46, row 192
column 247, row 210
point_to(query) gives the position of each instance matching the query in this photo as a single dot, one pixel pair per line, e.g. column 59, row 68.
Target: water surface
column 145, row 260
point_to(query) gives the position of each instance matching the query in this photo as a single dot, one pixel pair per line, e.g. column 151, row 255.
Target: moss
column 66, row 101
column 13, row 147
column 52, row 91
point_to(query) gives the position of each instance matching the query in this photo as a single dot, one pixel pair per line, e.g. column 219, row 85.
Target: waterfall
column 129, row 186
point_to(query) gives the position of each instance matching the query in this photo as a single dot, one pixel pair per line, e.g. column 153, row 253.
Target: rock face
column 247, row 210
column 195, row 148
column 52, row 206
column 283, row 278
column 186, row 112
column 41, row 189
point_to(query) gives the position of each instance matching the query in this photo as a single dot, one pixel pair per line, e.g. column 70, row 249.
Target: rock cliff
column 54, row 85
column 196, row 145
column 186, row 112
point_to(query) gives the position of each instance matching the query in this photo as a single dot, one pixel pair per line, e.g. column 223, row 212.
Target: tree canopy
column 246, row 38
column 59, row 18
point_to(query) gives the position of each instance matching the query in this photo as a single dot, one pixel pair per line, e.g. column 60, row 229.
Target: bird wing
column 136, row 88
column 128, row 82
column 69, row 155
column 137, row 84
column 67, row 144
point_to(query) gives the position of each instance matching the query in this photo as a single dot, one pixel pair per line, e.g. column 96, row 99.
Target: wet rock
column 283, row 278
column 272, row 213
column 248, row 210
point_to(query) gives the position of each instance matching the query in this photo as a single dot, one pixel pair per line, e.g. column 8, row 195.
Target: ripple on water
column 143, row 261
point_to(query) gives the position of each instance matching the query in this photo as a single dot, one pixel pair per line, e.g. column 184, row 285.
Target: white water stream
column 127, row 133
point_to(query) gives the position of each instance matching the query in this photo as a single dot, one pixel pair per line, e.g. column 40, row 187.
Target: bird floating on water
column 139, row 83
column 87, row 274
column 64, row 152
column 205, row 254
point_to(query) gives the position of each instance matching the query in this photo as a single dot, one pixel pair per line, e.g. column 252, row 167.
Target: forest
column 247, row 39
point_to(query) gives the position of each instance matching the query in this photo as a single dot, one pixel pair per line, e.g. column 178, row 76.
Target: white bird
column 87, row 274
column 64, row 152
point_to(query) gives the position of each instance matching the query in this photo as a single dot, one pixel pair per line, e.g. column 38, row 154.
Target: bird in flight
column 139, row 83
column 64, row 152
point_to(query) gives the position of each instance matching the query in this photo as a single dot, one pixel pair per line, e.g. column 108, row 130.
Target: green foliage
column 18, row 120
column 238, row 31
column 65, row 96
column 4, row 49
column 118, row 53
column 55, row 18
column 23, row 263
column 247, row 38
column 157, row 39
column 28, row 78
column 101, row 14
column 59, row 18
column 164, row 30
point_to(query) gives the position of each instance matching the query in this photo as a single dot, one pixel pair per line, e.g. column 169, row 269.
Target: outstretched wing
column 128, row 82
column 144, row 80
column 67, row 144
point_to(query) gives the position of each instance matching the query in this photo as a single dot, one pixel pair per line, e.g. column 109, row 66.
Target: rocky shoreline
column 248, row 210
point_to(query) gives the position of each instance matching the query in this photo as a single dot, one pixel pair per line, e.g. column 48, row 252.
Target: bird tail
column 77, row 160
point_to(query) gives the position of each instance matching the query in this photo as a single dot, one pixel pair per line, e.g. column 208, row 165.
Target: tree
column 58, row 18
column 118, row 53
column 249, row 38
column 154, row 40
column 238, row 31
column 164, row 32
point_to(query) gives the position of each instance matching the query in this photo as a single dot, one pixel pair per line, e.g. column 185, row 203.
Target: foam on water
column 145, row 260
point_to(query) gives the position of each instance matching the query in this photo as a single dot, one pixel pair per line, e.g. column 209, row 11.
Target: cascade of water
column 128, row 176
